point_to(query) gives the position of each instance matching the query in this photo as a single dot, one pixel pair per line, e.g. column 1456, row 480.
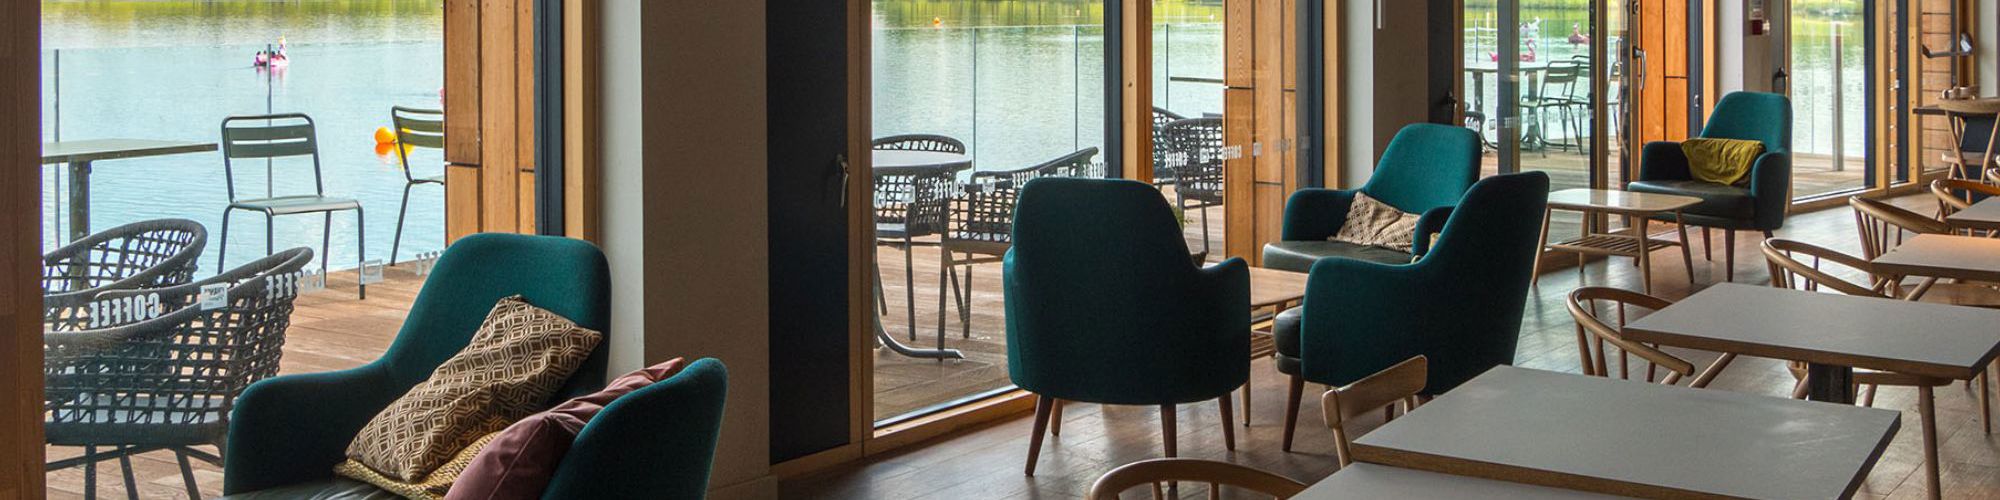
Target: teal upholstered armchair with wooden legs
column 1757, row 206
column 1426, row 168
column 1459, row 305
column 288, row 432
column 1103, row 306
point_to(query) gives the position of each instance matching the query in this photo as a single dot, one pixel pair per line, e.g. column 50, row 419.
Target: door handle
column 1639, row 68
column 846, row 178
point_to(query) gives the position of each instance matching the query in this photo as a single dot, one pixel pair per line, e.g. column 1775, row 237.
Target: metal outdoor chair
column 910, row 203
column 274, row 137
column 149, row 254
column 155, row 369
column 920, row 142
column 415, row 128
column 982, row 224
column 1162, row 172
column 1194, row 148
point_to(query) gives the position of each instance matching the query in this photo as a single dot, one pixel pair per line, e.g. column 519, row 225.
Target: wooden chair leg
column 1055, row 419
column 1168, row 429
column 1228, row 423
column 1928, row 408
column 1985, row 403
column 1043, row 404
column 1729, row 256
column 1707, row 249
column 1292, row 395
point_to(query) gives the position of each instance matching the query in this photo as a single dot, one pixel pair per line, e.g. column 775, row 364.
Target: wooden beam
column 524, row 115
column 21, row 448
column 499, row 155
column 1329, row 142
column 1137, row 56
column 860, row 193
column 461, row 118
column 581, row 181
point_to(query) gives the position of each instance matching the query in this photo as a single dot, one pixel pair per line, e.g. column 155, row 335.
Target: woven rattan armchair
column 156, row 370
column 1194, row 148
column 920, row 142
column 910, row 203
column 1162, row 172
column 982, row 224
column 150, row 254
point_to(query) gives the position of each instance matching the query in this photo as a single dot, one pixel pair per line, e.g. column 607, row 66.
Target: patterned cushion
column 430, row 487
column 1371, row 222
column 520, row 356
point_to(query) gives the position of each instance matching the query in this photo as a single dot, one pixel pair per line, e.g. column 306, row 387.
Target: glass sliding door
column 1187, row 117
column 1534, row 72
column 1830, row 97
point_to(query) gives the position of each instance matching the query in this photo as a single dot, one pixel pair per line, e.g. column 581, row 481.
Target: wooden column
column 489, row 114
column 20, row 294
column 1137, row 97
column 1260, row 113
column 581, row 154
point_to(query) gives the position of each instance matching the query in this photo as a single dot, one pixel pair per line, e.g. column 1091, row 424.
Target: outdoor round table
column 917, row 159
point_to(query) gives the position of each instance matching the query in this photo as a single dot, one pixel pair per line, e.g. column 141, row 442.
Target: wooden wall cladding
column 489, row 115
column 21, row 448
column 1260, row 45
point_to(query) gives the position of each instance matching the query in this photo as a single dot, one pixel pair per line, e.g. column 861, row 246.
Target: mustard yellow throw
column 1721, row 161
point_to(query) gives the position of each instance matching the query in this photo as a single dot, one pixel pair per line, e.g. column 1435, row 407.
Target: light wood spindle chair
column 1156, row 471
column 1592, row 330
column 1399, row 383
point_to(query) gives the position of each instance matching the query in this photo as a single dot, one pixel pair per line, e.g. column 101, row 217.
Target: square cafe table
column 1943, row 256
column 1633, row 438
column 1370, row 481
column 1833, row 334
column 81, row 154
column 1984, row 215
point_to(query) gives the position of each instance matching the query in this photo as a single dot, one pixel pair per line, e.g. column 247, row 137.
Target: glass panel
column 1021, row 86
column 1556, row 102
column 1481, row 61
column 1829, row 97
column 1616, row 128
column 1187, row 116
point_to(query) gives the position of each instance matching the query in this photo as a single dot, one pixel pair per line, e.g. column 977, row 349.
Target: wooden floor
column 331, row 330
column 986, row 462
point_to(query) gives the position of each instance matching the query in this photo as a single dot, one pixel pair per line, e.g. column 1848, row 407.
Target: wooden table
column 81, row 154
column 1634, row 438
column 1943, row 256
column 1833, row 334
column 1984, row 215
column 1635, row 243
column 1271, row 291
column 1371, row 481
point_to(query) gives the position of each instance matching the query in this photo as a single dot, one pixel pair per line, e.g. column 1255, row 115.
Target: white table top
column 1636, row 438
column 916, row 159
column 1370, row 481
column 1934, row 340
column 1611, row 200
column 1944, row 256
column 112, row 149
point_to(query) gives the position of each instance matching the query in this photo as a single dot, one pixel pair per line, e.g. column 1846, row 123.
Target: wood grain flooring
column 985, row 462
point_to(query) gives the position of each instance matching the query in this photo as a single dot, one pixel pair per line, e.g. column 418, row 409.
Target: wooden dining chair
column 1954, row 195
column 1883, row 227
column 1592, row 329
column 1789, row 270
column 1399, row 383
column 1156, row 471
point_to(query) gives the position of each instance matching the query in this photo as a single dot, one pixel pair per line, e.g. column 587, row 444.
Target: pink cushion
column 521, row 461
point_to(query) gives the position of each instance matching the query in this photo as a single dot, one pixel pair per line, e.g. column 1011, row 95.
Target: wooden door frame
column 21, row 474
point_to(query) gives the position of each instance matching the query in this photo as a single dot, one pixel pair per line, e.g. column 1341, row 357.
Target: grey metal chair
column 982, row 225
column 1194, row 148
column 1162, row 172
column 159, row 371
column 140, row 255
column 920, row 142
column 910, row 203
column 415, row 128
column 274, row 137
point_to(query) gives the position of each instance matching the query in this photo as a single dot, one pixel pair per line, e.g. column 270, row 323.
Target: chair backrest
column 565, row 276
column 1789, row 271
column 1161, row 117
column 657, row 442
column 982, row 214
column 416, row 128
column 1216, row 474
column 1103, row 304
column 919, row 198
column 269, row 137
column 920, row 142
column 1426, row 166
column 146, row 254
column 1954, row 195
column 1593, row 329
column 1399, row 383
column 1074, row 164
column 1194, row 153
column 1882, row 225
column 1753, row 116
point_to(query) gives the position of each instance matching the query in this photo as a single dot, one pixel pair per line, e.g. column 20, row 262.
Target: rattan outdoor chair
column 920, row 142
column 1196, row 155
column 279, row 137
column 157, row 370
column 1162, row 172
column 415, row 129
column 910, row 203
column 982, row 225
column 149, row 254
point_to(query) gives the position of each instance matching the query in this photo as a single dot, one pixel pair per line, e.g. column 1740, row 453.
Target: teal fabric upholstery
column 293, row 429
column 1461, row 304
column 1103, row 305
column 1425, row 170
column 1761, row 206
column 657, row 442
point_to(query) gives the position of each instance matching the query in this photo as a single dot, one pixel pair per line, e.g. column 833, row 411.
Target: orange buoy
column 384, row 136
column 385, row 148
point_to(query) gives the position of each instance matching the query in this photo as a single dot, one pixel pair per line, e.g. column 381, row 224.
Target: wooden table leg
column 1645, row 254
column 1687, row 252
column 1535, row 275
column 1830, row 383
column 1246, row 398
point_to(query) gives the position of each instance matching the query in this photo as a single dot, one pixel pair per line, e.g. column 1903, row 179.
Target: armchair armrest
column 295, row 428
column 1428, row 226
column 1223, row 297
column 1357, row 315
column 657, row 442
column 1663, row 161
column 1771, row 189
column 1315, row 214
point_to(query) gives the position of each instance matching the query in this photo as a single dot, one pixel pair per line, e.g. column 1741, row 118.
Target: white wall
column 1986, row 47
column 624, row 150
column 1357, row 91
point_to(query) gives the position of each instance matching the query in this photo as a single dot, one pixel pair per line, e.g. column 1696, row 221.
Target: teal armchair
column 1103, row 306
column 288, row 432
column 1758, row 206
column 1461, row 304
column 1425, row 170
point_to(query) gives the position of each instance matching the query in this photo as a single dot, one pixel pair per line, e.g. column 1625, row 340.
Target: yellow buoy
column 384, row 136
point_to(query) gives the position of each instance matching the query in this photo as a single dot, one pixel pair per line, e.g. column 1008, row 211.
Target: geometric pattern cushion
column 431, row 487
column 516, row 361
column 1374, row 223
